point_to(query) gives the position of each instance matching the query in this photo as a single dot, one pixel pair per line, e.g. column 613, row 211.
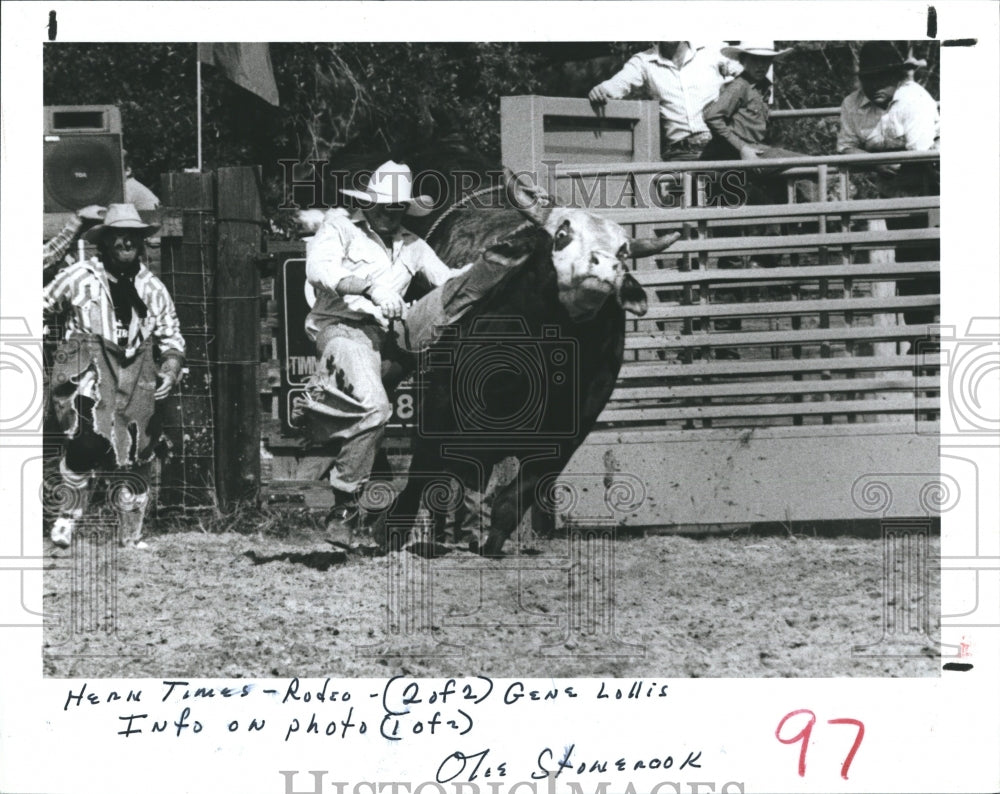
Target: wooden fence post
column 237, row 292
column 187, row 268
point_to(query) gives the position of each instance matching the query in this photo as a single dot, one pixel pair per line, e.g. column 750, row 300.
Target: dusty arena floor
column 232, row 605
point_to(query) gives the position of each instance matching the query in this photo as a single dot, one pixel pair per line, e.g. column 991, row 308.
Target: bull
column 528, row 369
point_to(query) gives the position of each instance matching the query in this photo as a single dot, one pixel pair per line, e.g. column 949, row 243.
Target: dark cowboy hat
column 879, row 56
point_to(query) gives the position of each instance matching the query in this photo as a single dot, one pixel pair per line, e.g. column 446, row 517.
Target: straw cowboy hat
column 120, row 216
column 881, row 56
column 762, row 49
column 392, row 183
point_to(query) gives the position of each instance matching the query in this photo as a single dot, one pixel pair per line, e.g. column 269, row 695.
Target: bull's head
column 589, row 253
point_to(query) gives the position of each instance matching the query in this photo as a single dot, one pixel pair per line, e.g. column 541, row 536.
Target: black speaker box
column 82, row 162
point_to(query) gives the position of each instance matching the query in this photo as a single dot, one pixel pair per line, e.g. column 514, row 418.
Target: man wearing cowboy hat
column 738, row 118
column 738, row 121
column 359, row 265
column 119, row 321
column 890, row 112
column 683, row 77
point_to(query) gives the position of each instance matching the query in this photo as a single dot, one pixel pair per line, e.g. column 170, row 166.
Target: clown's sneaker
column 62, row 532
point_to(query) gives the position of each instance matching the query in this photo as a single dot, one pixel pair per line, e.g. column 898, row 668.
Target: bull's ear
column 532, row 200
column 632, row 296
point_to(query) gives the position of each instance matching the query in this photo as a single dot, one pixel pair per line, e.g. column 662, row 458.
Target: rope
column 406, row 331
column 458, row 204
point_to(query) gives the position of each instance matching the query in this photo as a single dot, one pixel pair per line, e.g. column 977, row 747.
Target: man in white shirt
column 359, row 265
column 891, row 112
column 683, row 77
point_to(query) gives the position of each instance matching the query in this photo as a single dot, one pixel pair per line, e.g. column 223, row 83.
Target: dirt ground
column 232, row 605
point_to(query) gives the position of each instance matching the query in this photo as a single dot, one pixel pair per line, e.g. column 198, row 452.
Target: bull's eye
column 623, row 252
column 563, row 235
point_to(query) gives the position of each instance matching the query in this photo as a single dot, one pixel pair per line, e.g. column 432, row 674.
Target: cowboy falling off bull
column 359, row 265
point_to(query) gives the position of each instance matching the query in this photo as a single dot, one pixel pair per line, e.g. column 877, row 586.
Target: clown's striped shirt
column 55, row 249
column 81, row 292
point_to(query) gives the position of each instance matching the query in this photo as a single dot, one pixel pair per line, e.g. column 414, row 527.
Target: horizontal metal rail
column 866, row 272
column 641, row 341
column 742, row 221
column 876, row 239
column 778, row 163
column 751, row 388
column 804, row 113
column 669, row 218
column 641, row 371
column 764, row 410
column 663, row 312
column 659, row 434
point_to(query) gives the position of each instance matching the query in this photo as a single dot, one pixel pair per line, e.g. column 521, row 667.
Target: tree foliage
column 335, row 97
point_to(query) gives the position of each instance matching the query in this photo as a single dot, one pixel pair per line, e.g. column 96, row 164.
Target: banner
column 247, row 65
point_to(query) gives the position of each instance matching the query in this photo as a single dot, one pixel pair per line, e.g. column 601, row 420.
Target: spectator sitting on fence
column 105, row 382
column 891, row 112
column 738, row 118
column 738, row 123
column 684, row 78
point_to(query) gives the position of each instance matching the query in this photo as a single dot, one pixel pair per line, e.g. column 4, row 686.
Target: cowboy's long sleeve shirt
column 345, row 245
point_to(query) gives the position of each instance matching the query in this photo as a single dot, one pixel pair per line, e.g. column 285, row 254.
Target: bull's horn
column 533, row 201
column 647, row 246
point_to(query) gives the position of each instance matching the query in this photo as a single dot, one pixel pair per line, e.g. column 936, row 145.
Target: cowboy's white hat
column 762, row 49
column 392, row 183
column 120, row 216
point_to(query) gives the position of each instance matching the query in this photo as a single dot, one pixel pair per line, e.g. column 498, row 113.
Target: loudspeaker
column 82, row 157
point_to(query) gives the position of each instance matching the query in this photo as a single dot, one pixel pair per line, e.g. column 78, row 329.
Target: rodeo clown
column 122, row 351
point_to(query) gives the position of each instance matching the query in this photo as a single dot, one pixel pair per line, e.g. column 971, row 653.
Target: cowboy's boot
column 344, row 520
column 131, row 515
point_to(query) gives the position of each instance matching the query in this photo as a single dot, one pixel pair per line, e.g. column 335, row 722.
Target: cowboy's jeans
column 346, row 400
column 449, row 302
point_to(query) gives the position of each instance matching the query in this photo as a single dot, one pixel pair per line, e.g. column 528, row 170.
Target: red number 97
column 806, row 732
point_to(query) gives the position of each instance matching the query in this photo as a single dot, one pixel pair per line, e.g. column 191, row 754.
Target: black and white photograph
column 417, row 390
